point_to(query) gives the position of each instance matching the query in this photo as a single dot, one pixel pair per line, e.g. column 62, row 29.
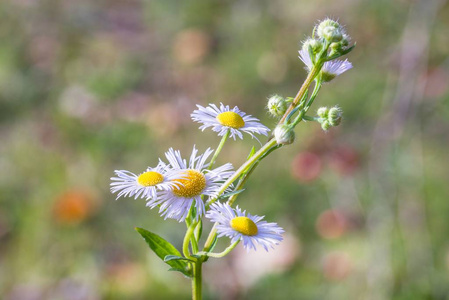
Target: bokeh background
column 87, row 87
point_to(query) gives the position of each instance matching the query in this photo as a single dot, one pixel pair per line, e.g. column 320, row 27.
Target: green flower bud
column 322, row 112
column 345, row 40
column 330, row 30
column 325, row 125
column 284, row 134
column 276, row 106
column 332, row 34
column 313, row 44
column 335, row 115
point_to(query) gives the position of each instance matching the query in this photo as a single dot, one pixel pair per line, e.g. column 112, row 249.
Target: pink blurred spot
column 436, row 83
column 306, row 166
column 337, row 266
column 331, row 224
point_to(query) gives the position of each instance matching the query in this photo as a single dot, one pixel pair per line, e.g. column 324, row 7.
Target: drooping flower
column 147, row 184
column 238, row 225
column 330, row 69
column 223, row 118
column 197, row 182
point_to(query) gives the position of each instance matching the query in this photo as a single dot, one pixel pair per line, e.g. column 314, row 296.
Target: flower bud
column 322, row 112
column 284, row 134
column 335, row 115
column 332, row 34
column 313, row 44
column 325, row 125
column 276, row 106
column 330, row 30
column 345, row 40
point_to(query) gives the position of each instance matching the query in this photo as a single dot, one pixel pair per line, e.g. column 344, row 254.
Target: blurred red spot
column 344, row 160
column 72, row 207
column 337, row 266
column 306, row 166
column 436, row 83
column 331, row 224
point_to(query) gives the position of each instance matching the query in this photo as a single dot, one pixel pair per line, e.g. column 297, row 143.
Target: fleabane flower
column 196, row 181
column 330, row 69
column 223, row 118
column 238, row 225
column 145, row 185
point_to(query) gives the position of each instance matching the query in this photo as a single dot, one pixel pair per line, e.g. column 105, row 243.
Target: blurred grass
column 89, row 87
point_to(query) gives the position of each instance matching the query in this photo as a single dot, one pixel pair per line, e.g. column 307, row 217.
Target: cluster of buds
column 329, row 117
column 328, row 42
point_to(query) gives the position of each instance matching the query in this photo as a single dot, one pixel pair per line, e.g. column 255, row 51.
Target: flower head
column 196, row 181
column 223, row 118
column 330, row 69
column 238, row 225
column 147, row 184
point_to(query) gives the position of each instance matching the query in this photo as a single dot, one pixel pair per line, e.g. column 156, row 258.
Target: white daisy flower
column 238, row 225
column 224, row 118
column 330, row 70
column 197, row 181
column 145, row 185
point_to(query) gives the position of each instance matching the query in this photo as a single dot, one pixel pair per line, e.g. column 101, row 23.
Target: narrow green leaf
column 343, row 52
column 227, row 195
column 199, row 230
column 214, row 243
column 251, row 153
column 175, row 257
column 185, row 272
column 162, row 248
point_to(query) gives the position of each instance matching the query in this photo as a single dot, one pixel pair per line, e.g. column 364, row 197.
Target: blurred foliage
column 87, row 87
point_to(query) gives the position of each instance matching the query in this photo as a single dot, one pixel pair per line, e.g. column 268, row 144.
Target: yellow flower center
column 191, row 186
column 150, row 178
column 244, row 225
column 231, row 119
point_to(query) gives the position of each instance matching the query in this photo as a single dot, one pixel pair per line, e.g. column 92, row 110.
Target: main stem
column 313, row 73
column 262, row 151
column 197, row 280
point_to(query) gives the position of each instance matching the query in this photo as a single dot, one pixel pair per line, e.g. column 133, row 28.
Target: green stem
column 248, row 164
column 264, row 150
column 223, row 253
column 313, row 73
column 197, row 280
column 210, row 238
column 316, row 89
column 185, row 244
column 243, row 168
column 218, row 150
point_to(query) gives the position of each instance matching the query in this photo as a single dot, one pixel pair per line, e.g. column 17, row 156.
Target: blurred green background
column 87, row 87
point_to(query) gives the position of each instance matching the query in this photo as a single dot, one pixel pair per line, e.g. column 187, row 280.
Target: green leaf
column 227, row 195
column 175, row 257
column 185, row 272
column 162, row 248
column 199, row 230
column 251, row 153
column 214, row 243
column 337, row 55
